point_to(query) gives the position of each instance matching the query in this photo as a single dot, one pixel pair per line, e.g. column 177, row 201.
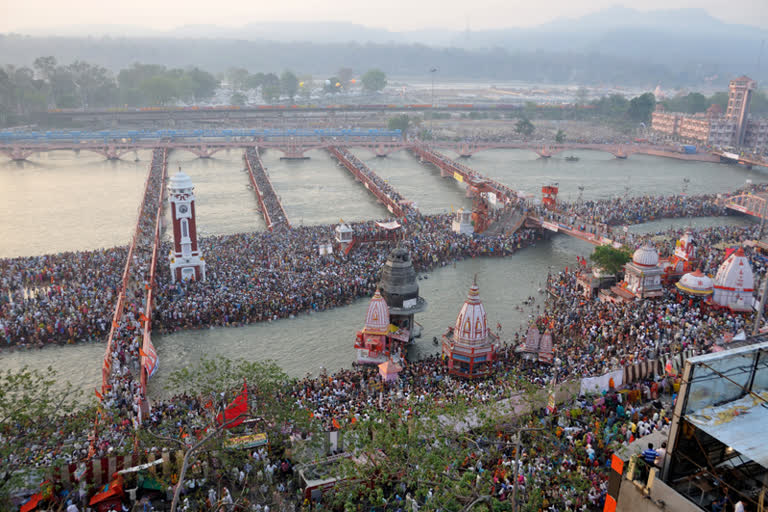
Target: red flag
column 235, row 413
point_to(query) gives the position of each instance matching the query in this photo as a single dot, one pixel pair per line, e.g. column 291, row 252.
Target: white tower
column 185, row 258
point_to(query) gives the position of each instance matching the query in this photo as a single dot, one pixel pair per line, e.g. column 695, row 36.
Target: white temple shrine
column 344, row 235
column 462, row 222
column 696, row 283
column 373, row 343
column 734, row 283
column 642, row 275
column 469, row 347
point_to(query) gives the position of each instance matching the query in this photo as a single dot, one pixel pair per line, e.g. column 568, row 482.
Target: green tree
column 374, row 80
column 332, row 85
column 400, row 122
column 641, row 107
column 238, row 99
column 305, row 87
column 270, row 410
column 610, row 259
column 254, row 81
column 37, row 415
column 525, row 127
column 560, row 136
column 289, row 84
column 270, row 88
column 719, row 98
column 204, row 84
column 159, row 90
column 238, row 78
column 345, row 76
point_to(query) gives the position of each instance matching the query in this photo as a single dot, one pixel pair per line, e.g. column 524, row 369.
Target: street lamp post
column 517, row 464
column 432, row 72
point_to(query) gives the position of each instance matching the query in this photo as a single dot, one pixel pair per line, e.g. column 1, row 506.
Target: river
column 95, row 205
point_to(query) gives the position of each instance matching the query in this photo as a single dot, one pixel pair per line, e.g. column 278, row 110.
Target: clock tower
column 185, row 259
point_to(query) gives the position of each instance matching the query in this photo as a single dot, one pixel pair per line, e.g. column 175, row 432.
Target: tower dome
column 471, row 324
column 696, row 283
column 398, row 283
column 377, row 317
column 180, row 181
column 734, row 282
column 646, row 256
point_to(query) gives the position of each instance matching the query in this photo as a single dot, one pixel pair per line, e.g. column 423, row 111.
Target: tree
column 37, row 415
column 238, row 78
column 270, row 88
column 332, row 85
column 610, row 259
column 560, row 136
column 270, row 410
column 305, row 87
column 204, row 84
column 159, row 90
column 374, row 80
column 238, row 99
column 254, row 81
column 345, row 76
column 641, row 107
column 289, row 84
column 525, row 127
column 400, row 122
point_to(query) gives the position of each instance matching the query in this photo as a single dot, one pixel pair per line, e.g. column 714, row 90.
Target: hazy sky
column 22, row 15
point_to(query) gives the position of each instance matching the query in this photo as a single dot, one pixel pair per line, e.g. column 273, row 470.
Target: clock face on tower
column 183, row 208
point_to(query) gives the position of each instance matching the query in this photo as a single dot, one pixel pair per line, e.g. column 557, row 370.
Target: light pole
column 432, row 72
column 517, row 464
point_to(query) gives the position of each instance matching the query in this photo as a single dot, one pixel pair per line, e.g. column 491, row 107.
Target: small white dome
column 696, row 283
column 180, row 181
column 646, row 256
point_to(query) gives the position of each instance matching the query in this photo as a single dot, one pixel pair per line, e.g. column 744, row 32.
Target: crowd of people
column 266, row 191
column 377, row 181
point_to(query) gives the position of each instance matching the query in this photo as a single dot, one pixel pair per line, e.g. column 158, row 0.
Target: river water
column 95, row 202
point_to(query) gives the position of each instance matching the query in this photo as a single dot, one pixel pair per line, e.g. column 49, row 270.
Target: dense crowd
column 576, row 441
column 267, row 192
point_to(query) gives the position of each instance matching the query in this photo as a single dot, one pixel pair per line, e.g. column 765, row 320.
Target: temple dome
column 735, row 273
column 646, row 256
column 377, row 317
column 696, row 283
column 471, row 324
column 180, row 181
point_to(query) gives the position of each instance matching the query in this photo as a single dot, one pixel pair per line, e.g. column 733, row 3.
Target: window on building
column 184, row 229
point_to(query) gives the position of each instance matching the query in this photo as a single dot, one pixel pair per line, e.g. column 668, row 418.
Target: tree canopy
column 374, row 80
column 610, row 259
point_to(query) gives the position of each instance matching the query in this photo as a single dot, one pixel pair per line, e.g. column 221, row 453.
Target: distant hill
column 616, row 45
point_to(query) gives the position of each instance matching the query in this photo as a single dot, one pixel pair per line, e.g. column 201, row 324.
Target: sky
column 396, row 15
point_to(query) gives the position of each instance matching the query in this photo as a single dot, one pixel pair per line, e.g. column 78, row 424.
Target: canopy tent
column 389, row 226
column 389, row 370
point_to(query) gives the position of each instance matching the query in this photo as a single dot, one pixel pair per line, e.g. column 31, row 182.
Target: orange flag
column 336, row 424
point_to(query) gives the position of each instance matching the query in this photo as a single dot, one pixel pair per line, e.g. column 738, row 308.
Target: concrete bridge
column 291, row 148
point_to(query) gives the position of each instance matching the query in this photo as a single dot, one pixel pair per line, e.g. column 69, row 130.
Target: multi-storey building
column 739, row 93
column 734, row 129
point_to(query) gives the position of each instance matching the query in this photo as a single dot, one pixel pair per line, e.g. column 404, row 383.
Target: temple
column 469, row 347
column 642, row 275
column 684, row 258
column 401, row 292
column 374, row 343
column 734, row 283
column 696, row 284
